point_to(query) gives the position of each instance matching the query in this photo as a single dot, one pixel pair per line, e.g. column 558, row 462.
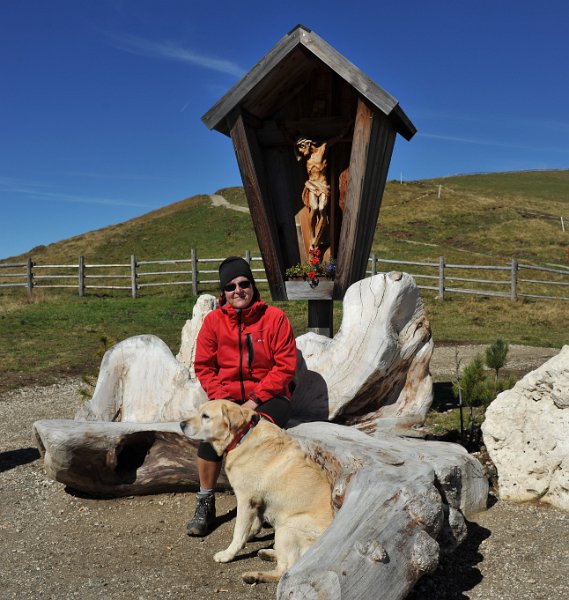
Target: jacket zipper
column 240, row 357
column 250, row 352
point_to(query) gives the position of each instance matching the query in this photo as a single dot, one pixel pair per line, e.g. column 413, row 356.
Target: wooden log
column 140, row 381
column 186, row 356
column 401, row 504
column 383, row 536
column 373, row 374
column 376, row 366
column 118, row 459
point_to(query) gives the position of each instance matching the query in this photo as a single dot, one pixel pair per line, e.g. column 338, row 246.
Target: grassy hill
column 477, row 219
column 166, row 233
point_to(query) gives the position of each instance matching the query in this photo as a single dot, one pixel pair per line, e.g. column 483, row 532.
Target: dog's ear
column 225, row 417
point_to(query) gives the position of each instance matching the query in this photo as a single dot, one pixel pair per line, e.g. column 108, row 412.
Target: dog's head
column 217, row 422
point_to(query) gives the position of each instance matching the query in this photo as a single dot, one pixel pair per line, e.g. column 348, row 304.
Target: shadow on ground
column 15, row 458
column 457, row 572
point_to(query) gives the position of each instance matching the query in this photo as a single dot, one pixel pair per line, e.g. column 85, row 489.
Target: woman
column 245, row 352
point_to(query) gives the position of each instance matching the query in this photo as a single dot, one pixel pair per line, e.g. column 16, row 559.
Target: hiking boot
column 203, row 517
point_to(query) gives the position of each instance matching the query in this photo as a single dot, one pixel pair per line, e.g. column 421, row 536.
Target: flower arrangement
column 313, row 270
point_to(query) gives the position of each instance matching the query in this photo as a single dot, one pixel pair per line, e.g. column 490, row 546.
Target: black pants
column 277, row 410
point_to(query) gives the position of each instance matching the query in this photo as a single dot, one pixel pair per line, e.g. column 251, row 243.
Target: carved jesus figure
column 316, row 192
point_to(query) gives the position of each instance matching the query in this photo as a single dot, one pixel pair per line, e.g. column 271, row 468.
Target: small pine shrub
column 496, row 355
column 477, row 389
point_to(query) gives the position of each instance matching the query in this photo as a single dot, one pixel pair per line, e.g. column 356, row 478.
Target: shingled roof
column 286, row 69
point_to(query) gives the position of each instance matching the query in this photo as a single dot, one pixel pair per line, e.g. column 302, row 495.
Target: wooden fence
column 513, row 281
column 133, row 276
column 506, row 281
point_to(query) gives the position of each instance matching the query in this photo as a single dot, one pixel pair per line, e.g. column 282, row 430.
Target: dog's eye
column 205, row 416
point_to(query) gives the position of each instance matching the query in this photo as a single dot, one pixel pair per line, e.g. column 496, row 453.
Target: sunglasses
column 231, row 287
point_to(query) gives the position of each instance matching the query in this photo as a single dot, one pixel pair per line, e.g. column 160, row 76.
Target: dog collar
column 242, row 433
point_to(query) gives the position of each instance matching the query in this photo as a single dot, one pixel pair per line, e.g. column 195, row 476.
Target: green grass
column 63, row 334
column 550, row 186
column 481, row 320
column 477, row 218
column 234, row 195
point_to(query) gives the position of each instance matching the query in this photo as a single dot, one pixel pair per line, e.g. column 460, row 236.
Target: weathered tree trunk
column 376, row 366
column 187, row 354
column 118, row 459
column 402, row 503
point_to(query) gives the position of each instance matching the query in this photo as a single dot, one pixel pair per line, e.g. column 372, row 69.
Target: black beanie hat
column 232, row 267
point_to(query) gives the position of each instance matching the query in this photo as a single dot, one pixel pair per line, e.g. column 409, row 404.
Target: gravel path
column 58, row 545
column 217, row 200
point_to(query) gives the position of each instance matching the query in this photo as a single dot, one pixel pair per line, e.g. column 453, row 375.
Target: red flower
column 315, row 261
column 312, row 275
column 316, row 252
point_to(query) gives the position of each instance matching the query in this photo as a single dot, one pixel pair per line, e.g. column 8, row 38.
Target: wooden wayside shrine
column 313, row 137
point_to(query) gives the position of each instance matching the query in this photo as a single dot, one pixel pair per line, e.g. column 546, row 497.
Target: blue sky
column 101, row 100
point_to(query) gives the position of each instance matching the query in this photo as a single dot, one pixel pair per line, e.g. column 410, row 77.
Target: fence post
column 441, row 295
column 248, row 256
column 373, row 264
column 81, row 276
column 133, row 275
column 514, row 293
column 194, row 257
column 29, row 277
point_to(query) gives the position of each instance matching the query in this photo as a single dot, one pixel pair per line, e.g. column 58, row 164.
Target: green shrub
column 475, row 388
column 496, row 355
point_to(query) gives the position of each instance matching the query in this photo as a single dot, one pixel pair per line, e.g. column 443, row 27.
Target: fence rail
column 503, row 281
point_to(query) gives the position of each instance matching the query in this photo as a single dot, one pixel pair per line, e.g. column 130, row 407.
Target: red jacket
column 251, row 353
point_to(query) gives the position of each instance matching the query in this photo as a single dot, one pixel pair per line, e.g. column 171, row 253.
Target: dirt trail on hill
column 217, row 200
column 58, row 545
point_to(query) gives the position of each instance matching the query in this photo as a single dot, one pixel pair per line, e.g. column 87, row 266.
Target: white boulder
column 526, row 432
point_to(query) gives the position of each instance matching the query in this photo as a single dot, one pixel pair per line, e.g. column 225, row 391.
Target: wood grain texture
column 401, row 504
column 372, row 146
column 377, row 364
column 251, row 166
column 301, row 290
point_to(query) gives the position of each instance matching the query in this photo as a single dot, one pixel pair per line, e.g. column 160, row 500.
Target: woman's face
column 239, row 297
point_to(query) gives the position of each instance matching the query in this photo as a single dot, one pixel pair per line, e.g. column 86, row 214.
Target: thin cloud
column 172, row 51
column 494, row 143
column 39, row 191
column 116, row 176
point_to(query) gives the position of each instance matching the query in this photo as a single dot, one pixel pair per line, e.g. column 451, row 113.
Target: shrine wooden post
column 313, row 137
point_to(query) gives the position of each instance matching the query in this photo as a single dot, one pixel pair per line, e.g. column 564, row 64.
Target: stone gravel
column 55, row 544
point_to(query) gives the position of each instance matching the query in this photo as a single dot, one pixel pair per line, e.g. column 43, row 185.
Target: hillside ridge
column 493, row 215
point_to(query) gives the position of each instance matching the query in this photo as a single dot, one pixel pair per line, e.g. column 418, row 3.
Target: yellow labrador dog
column 272, row 478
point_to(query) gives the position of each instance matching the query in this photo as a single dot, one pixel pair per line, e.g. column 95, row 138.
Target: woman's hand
column 250, row 404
